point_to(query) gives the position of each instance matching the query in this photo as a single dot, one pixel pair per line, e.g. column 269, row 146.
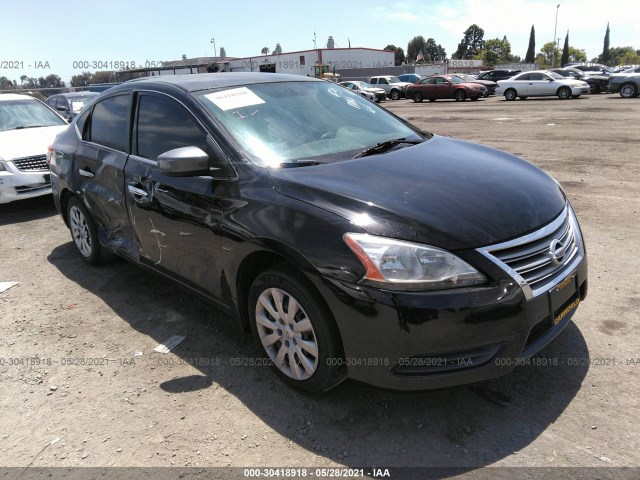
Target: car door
column 176, row 219
column 98, row 165
column 425, row 86
column 521, row 84
column 443, row 88
column 540, row 84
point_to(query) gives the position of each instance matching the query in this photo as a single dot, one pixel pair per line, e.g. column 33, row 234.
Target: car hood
column 443, row 192
column 27, row 141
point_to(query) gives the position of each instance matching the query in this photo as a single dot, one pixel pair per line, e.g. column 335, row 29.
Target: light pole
column 553, row 54
column 213, row 40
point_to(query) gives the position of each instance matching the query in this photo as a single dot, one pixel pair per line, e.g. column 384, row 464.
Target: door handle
column 137, row 192
column 85, row 173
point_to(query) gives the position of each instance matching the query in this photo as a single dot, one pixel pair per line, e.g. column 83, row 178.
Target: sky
column 38, row 37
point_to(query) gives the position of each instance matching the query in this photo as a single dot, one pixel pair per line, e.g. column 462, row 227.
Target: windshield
column 16, row 114
column 555, row 75
column 466, row 78
column 394, row 80
column 363, row 84
column 285, row 122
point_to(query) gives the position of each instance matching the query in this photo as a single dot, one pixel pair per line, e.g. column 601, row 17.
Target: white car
column 393, row 86
column 540, row 83
column 27, row 128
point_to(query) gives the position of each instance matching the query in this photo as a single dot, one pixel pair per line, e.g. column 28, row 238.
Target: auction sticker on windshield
column 234, row 98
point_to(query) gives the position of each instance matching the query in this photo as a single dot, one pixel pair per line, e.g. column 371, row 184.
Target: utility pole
column 213, row 40
column 553, row 54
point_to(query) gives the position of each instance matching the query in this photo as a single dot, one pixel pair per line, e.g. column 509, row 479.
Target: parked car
column 69, row 104
column 366, row 90
column 627, row 85
column 595, row 69
column 393, row 86
column 27, row 128
column 540, row 83
column 488, row 84
column 445, row 86
column 351, row 243
column 410, row 77
column 597, row 83
column 495, row 75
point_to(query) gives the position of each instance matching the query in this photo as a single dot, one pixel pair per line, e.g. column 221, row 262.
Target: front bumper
column 16, row 185
column 418, row 341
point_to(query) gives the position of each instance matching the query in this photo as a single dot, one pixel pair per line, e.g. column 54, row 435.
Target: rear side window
column 164, row 124
column 109, row 123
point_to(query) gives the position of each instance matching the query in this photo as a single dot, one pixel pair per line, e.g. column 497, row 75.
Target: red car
column 444, row 86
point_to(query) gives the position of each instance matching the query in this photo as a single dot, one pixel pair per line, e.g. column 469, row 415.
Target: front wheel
column 628, row 90
column 395, row 95
column 564, row 93
column 295, row 330
column 417, row 97
column 510, row 95
column 460, row 95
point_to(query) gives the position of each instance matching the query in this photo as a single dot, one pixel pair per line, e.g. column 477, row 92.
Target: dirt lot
column 76, row 359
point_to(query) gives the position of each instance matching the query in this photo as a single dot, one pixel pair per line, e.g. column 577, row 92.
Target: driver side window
column 163, row 124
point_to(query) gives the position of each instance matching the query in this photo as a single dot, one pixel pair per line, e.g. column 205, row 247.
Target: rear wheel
column 460, row 95
column 628, row 90
column 395, row 94
column 510, row 94
column 417, row 97
column 294, row 329
column 564, row 93
column 84, row 233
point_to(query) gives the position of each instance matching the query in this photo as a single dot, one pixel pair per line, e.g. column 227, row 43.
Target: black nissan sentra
column 350, row 242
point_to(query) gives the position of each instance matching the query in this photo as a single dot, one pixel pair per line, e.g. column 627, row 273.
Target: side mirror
column 61, row 108
column 184, row 162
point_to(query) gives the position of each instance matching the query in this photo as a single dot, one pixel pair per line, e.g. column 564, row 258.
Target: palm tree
column 265, row 51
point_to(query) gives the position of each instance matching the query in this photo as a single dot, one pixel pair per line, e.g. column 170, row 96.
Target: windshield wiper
column 301, row 163
column 27, row 126
column 386, row 145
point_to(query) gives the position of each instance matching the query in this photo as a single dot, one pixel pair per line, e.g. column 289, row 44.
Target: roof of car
column 76, row 94
column 207, row 81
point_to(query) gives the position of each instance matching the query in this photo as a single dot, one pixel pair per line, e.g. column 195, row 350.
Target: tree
column 399, row 57
column 434, row 52
column 565, row 51
column 543, row 59
column 576, row 55
column 416, row 46
column 530, row 57
column 471, row 44
column 605, row 49
column 265, row 51
column 497, row 51
column 617, row 53
column 630, row 58
column 81, row 80
column 6, row 84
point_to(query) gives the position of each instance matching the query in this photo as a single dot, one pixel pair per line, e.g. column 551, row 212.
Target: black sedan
column 350, row 242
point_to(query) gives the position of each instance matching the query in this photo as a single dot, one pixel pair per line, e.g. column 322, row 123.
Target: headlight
column 397, row 264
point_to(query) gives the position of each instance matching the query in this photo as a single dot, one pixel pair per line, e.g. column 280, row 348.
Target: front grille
column 529, row 259
column 31, row 164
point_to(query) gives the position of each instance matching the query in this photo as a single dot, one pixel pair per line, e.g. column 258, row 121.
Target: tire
column 417, row 97
column 564, row 93
column 395, row 95
column 510, row 94
column 304, row 349
column 628, row 90
column 460, row 95
column 84, row 233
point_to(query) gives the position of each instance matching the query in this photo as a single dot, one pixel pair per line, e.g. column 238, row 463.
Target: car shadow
column 27, row 210
column 355, row 424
